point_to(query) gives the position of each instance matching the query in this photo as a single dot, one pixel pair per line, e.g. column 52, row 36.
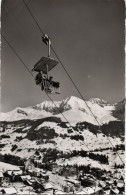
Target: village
column 54, row 179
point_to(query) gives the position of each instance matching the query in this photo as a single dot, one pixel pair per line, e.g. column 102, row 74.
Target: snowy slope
column 6, row 166
column 24, row 135
column 23, row 113
column 50, row 130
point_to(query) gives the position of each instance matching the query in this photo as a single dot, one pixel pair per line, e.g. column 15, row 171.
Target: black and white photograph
column 62, row 97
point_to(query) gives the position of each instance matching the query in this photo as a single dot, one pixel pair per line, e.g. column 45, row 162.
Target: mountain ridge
column 75, row 106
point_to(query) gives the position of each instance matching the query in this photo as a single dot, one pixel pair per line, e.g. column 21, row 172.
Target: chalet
column 58, row 180
column 9, row 191
column 105, row 177
column 1, row 176
column 29, row 165
column 97, row 191
column 68, row 171
column 14, row 175
column 89, row 176
column 81, row 193
column 56, row 168
column 43, row 171
column 25, row 177
column 110, row 182
column 92, row 190
column 27, row 182
column 61, row 183
column 87, row 181
column 117, row 174
column 107, row 192
column 44, row 176
column 34, row 172
column 47, row 188
column 67, row 188
column 88, row 190
column 102, row 184
column 114, row 191
column 120, row 186
column 59, row 192
column 75, row 182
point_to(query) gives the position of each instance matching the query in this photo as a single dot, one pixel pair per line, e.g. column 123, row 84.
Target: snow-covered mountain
column 73, row 109
column 99, row 101
column 24, row 131
column 119, row 111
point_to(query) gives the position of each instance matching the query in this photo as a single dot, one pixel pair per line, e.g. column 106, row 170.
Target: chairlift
column 42, row 67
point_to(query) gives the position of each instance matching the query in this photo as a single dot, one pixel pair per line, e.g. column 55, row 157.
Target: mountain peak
column 73, row 99
column 98, row 101
column 75, row 102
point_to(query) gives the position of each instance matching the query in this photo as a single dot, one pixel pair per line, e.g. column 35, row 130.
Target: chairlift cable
column 70, row 77
column 19, row 10
column 33, row 17
column 17, row 54
column 17, row 27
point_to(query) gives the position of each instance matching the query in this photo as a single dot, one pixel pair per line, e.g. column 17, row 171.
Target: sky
column 87, row 35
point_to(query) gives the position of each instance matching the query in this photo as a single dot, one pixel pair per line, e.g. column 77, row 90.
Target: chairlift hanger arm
column 46, row 39
column 45, row 64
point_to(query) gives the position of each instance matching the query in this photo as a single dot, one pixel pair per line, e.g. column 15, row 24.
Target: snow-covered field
column 82, row 161
column 6, row 166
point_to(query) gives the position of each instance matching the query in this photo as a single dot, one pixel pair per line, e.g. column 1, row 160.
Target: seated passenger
column 56, row 86
column 51, row 80
column 38, row 78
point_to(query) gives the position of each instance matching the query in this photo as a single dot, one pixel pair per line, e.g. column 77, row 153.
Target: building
column 120, row 186
column 25, row 177
column 76, row 183
column 68, row 171
column 98, row 191
column 47, row 188
column 117, row 175
column 114, row 191
column 14, row 175
column 44, row 176
column 9, row 191
column 29, row 165
column 56, row 168
column 62, row 184
column 102, row 184
column 34, row 172
column 1, row 176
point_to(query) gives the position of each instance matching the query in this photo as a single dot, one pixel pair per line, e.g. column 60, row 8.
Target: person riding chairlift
column 41, row 80
column 44, row 82
column 54, row 85
column 38, row 78
column 47, row 84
